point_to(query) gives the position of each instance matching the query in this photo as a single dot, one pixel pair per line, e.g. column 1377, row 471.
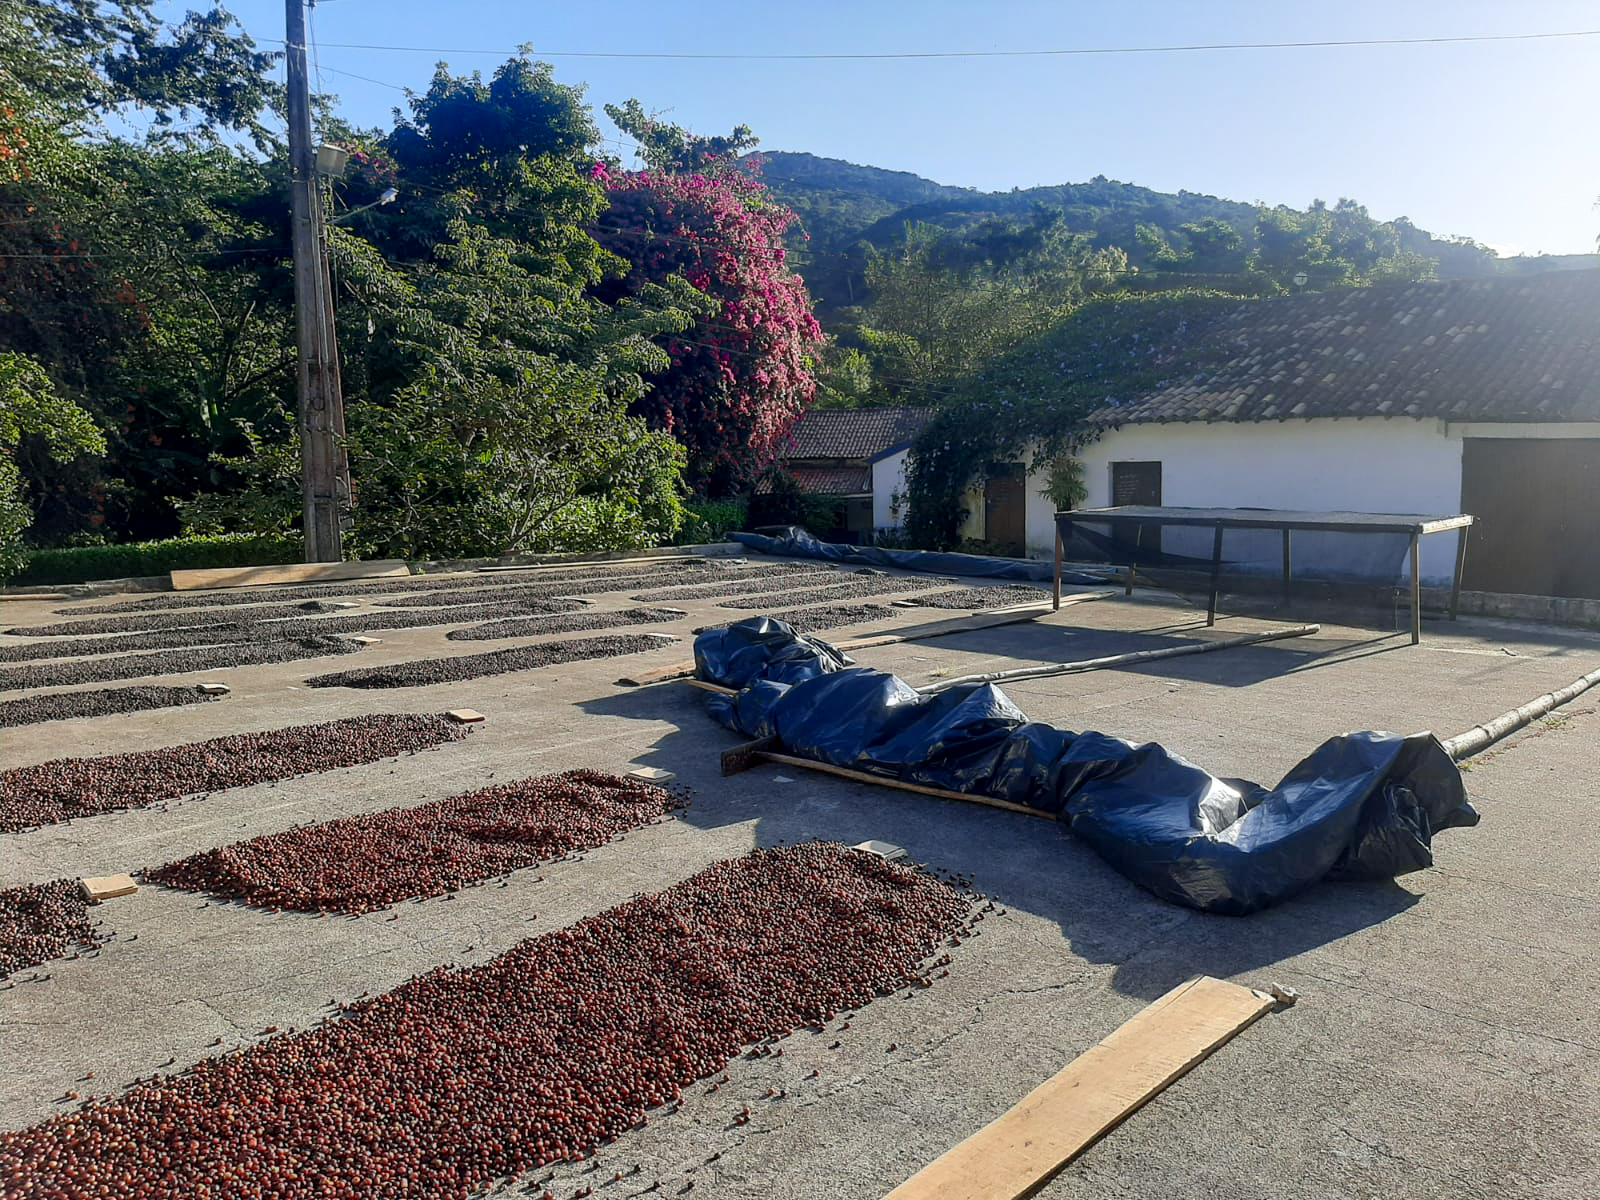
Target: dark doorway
column 1536, row 504
column 1005, row 508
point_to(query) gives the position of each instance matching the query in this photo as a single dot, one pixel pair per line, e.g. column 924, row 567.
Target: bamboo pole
column 1481, row 737
column 1118, row 660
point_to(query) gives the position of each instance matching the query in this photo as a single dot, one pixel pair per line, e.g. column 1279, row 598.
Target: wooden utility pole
column 321, row 403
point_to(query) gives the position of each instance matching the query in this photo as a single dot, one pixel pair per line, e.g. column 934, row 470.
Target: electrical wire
column 1065, row 52
column 311, row 37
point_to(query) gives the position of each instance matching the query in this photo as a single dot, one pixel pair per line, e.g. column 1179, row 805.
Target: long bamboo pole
column 1481, row 737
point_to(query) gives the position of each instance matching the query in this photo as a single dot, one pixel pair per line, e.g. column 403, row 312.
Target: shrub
column 713, row 520
column 80, row 564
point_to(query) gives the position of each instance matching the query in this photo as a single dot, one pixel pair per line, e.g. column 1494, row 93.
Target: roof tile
column 1484, row 349
column 853, row 432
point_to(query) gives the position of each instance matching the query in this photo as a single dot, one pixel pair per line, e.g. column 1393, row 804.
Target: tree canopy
column 507, row 375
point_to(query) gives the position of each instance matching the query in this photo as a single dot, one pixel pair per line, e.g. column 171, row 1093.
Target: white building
column 1474, row 396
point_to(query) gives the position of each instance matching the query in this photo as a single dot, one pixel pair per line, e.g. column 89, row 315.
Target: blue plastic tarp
column 1360, row 806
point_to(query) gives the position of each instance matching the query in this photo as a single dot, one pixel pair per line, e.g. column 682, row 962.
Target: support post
column 1286, row 568
column 325, row 487
column 1216, row 575
column 1461, row 563
column 1055, row 594
column 1416, row 587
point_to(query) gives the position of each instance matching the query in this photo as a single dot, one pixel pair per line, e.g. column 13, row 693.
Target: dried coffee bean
column 462, row 1077
column 76, row 787
column 359, row 864
column 422, row 672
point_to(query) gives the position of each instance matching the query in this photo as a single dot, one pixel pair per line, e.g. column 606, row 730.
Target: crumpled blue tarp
column 803, row 544
column 1360, row 806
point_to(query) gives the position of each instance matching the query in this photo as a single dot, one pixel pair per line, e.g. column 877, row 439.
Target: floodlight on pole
column 331, row 160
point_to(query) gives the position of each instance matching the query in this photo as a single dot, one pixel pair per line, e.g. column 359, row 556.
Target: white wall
column 1398, row 465
column 889, row 482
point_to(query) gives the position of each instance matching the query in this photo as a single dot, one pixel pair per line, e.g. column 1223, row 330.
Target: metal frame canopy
column 1287, row 521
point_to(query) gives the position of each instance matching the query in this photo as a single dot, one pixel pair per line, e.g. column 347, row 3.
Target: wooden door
column 1536, row 509
column 1005, row 508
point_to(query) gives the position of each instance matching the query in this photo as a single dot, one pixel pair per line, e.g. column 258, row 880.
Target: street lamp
column 389, row 196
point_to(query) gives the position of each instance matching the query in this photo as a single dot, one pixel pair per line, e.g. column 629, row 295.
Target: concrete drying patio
column 1445, row 1044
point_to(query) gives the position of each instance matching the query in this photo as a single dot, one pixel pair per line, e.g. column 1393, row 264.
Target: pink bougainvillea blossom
column 739, row 378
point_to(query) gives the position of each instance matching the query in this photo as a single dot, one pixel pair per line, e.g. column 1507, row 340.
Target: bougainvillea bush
column 741, row 376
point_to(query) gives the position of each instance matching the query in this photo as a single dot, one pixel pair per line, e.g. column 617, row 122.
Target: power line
column 1066, row 52
column 364, row 78
column 311, row 37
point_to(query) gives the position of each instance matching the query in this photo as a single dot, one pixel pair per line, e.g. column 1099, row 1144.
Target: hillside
column 844, row 207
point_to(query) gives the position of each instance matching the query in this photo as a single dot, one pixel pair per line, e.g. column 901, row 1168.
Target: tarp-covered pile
column 1360, row 806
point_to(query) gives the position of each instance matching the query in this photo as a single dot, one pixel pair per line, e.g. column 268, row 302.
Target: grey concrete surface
column 1446, row 1043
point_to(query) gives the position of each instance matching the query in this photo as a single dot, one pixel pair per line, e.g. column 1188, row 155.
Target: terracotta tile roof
column 853, row 432
column 828, row 481
column 1522, row 348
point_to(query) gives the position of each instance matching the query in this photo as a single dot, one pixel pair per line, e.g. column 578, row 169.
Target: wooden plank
column 969, row 624
column 106, row 887
column 899, row 785
column 1017, row 1154
column 659, row 776
column 226, row 577
column 743, row 756
column 886, row 850
column 620, row 561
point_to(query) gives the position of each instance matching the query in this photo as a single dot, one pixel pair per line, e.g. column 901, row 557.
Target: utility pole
column 321, row 402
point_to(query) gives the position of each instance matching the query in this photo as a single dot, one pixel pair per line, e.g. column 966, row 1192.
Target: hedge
column 81, row 564
column 712, row 520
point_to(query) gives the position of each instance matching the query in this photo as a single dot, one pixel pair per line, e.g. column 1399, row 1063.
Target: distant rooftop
column 855, row 433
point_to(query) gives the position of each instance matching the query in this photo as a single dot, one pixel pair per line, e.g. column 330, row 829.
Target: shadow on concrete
column 1029, row 863
column 1241, row 666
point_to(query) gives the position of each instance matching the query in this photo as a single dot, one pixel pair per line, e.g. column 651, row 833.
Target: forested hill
column 845, row 207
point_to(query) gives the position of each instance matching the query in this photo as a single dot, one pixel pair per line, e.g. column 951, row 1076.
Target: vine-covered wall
column 1036, row 397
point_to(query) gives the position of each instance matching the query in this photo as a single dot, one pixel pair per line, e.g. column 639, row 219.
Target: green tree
column 90, row 251
column 1333, row 247
column 1214, row 247
column 488, row 386
column 495, row 419
column 845, row 380
column 672, row 149
column 33, row 416
column 931, row 323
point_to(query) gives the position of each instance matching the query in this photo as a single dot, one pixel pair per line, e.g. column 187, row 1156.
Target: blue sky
column 1496, row 141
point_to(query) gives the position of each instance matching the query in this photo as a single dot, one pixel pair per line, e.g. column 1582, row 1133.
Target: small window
column 1136, row 483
